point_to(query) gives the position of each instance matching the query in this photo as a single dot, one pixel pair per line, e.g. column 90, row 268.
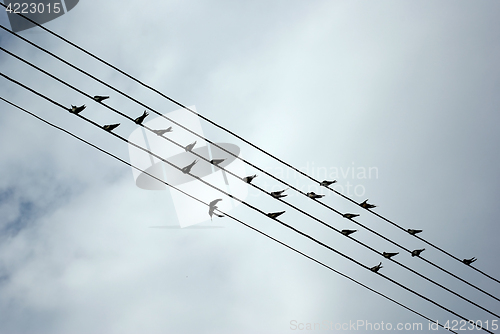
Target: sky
column 407, row 90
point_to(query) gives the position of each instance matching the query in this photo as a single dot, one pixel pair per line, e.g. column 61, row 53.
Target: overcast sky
column 406, row 88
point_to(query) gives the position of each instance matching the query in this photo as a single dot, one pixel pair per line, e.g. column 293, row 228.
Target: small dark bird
column 76, row 110
column 187, row 169
column 313, row 195
column 99, row 98
column 214, row 202
column 211, row 212
column 110, row 127
column 248, row 179
column 275, row 214
column 278, row 194
column 377, row 267
column 417, row 252
column 367, row 205
column 389, row 255
column 326, row 183
column 413, row 232
column 216, row 162
column 469, row 261
column 347, row 232
column 162, row 132
column 189, row 147
column 141, row 118
column 349, row 215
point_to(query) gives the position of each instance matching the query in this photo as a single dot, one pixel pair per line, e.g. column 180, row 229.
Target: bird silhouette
column 367, row 205
column 278, row 194
column 469, row 261
column 413, row 232
column 389, row 255
column 110, row 127
column 313, row 195
column 348, row 232
column 377, row 267
column 189, row 147
column 214, row 202
column 76, row 110
column 416, row 252
column 216, row 162
column 163, row 131
column 187, row 169
column 326, row 183
column 248, row 179
column 349, row 215
column 211, row 212
column 141, row 118
column 275, row 214
column 99, row 98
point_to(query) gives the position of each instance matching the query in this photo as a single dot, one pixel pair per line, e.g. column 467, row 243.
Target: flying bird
column 214, row 202
column 389, row 255
column 347, row 232
column 469, row 261
column 141, row 118
column 417, row 252
column 248, row 179
column 189, row 147
column 275, row 214
column 110, row 127
column 413, row 232
column 216, row 162
column 99, row 98
column 377, row 267
column 313, row 195
column 162, row 132
column 278, row 194
column 326, row 183
column 349, row 215
column 367, row 205
column 76, row 110
column 187, row 169
column 211, row 212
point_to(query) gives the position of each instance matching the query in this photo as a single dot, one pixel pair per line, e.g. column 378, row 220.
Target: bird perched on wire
column 367, row 205
column 389, row 255
column 187, row 169
column 326, row 183
column 348, row 232
column 469, row 261
column 216, row 162
column 141, row 118
column 212, row 206
column 278, row 194
column 163, row 131
column 416, row 252
column 377, row 267
column 314, row 195
column 110, row 127
column 100, row 98
column 349, row 215
column 275, row 214
column 76, row 110
column 248, row 179
column 413, row 232
column 189, row 147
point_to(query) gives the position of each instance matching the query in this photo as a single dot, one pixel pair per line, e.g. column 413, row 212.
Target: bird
column 367, row 205
column 377, row 267
column 189, row 147
column 275, row 214
column 211, row 212
column 216, row 162
column 110, row 127
column 413, row 232
column 326, row 183
column 76, row 110
column 347, row 232
column 141, row 118
column 214, row 202
column 163, row 131
column 314, row 195
column 99, row 98
column 248, row 179
column 416, row 252
column 187, row 169
column 349, row 215
column 389, row 255
column 278, row 194
column 469, row 261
